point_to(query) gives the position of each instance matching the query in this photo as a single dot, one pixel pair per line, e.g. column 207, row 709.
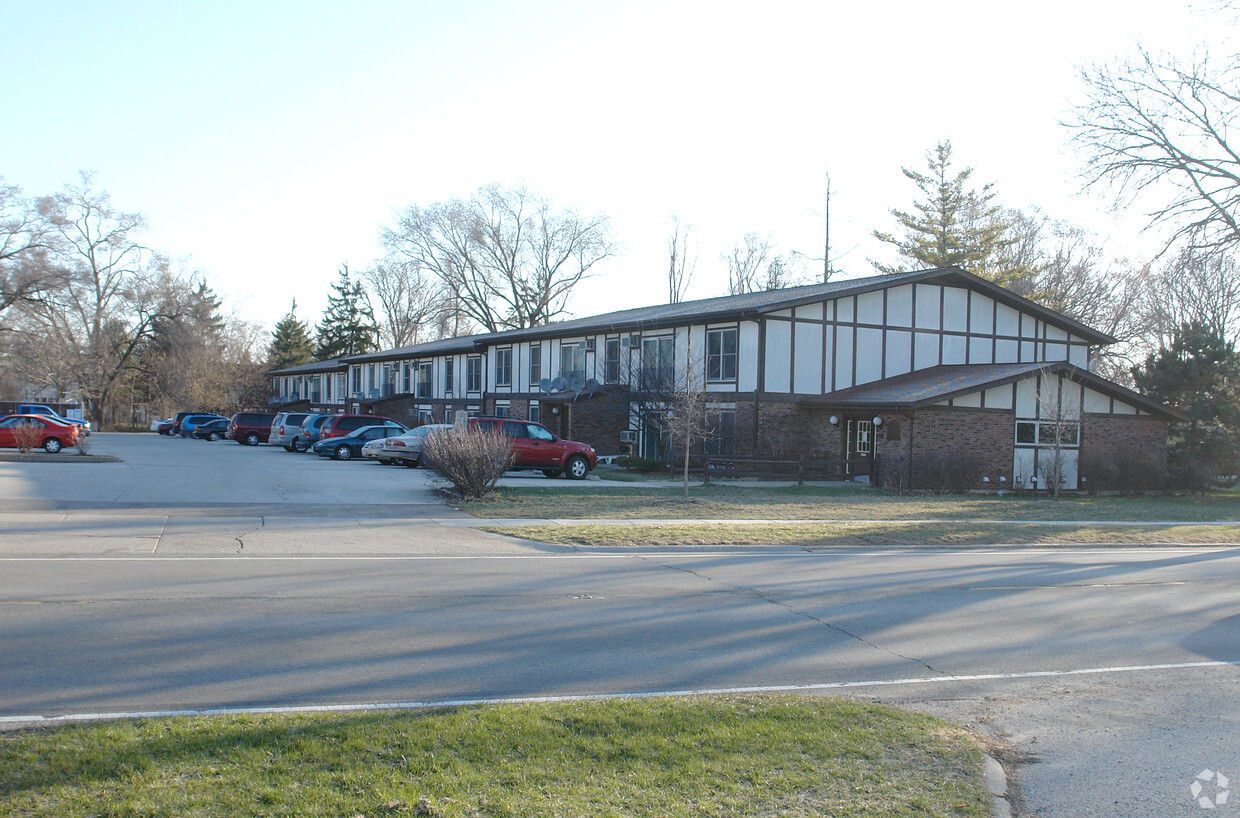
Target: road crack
column 755, row 593
column 262, row 523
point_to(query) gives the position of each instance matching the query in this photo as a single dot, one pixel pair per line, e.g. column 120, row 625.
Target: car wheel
column 300, row 445
column 577, row 467
column 51, row 445
column 213, row 436
column 552, row 472
column 411, row 464
column 251, row 439
column 344, row 453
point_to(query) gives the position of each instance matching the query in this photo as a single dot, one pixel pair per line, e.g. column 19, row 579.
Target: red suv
column 537, row 448
column 339, row 425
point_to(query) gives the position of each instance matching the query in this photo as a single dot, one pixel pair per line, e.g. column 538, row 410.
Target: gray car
column 285, row 428
column 407, row 448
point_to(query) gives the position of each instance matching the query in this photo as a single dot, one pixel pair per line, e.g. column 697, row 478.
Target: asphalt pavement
column 201, row 576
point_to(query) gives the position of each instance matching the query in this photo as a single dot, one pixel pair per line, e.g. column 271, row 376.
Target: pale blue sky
column 270, row 141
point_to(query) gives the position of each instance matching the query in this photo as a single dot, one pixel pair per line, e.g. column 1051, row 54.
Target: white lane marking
column 687, row 552
column 717, row 691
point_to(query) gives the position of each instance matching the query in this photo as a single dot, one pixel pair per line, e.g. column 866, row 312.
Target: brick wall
column 1134, row 435
column 596, row 420
column 987, row 436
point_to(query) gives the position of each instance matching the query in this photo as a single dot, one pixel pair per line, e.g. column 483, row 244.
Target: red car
column 340, row 425
column 45, row 433
column 536, row 447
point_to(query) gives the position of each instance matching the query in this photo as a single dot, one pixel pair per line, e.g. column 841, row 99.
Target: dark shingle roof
column 317, row 366
column 938, row 383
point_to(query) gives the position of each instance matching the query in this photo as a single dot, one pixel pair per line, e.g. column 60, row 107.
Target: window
column 424, row 389
column 611, row 361
column 573, row 364
column 535, row 413
column 501, row 410
column 389, row 379
column 721, row 354
column 424, row 415
column 447, row 375
column 1032, row 433
column 473, row 374
column 408, row 381
column 721, row 440
column 357, row 380
column 658, row 365
column 503, row 367
column 535, row 365
column 538, row 433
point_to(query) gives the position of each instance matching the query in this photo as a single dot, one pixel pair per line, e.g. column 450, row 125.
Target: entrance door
column 859, row 445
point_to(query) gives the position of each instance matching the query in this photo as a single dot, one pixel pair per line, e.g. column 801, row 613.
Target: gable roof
column 723, row 308
column 924, row 387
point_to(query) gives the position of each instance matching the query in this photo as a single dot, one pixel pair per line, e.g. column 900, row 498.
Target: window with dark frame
column 503, row 366
column 448, row 372
column 611, row 360
column 535, row 365
column 473, row 373
column 573, row 362
column 721, row 354
column 424, row 380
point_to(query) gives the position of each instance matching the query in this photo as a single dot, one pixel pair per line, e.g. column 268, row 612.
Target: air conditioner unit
column 628, row 436
column 589, row 345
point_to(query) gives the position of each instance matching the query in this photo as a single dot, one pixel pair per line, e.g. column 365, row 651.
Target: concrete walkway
column 529, row 521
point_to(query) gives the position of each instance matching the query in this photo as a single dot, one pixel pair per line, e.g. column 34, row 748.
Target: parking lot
column 172, row 472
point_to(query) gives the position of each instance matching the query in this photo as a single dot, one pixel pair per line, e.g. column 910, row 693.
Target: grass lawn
column 786, row 756
column 721, row 501
column 825, row 535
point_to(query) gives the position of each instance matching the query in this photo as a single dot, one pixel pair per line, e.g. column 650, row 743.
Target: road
column 1114, row 668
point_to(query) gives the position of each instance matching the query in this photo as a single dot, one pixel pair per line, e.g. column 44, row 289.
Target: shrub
column 471, row 460
column 27, row 435
column 644, row 464
column 893, row 474
column 950, row 472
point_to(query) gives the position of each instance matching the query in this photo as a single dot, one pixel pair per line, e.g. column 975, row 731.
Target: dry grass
column 811, row 535
column 818, row 503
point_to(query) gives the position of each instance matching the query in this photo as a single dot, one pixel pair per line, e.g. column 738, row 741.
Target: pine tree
column 290, row 342
column 953, row 226
column 348, row 326
column 1199, row 374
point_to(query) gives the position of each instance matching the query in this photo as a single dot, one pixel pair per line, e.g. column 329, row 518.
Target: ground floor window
column 502, row 409
column 721, row 432
column 424, row 415
column 535, row 412
column 1047, row 453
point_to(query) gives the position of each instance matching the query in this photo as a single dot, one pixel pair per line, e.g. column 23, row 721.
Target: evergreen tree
column 348, row 326
column 290, row 342
column 954, row 226
column 1199, row 374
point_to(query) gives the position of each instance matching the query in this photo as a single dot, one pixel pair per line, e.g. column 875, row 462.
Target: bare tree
column 1058, row 428
column 408, row 300
column 1160, row 127
column 680, row 265
column 511, row 259
column 114, row 291
column 747, row 261
column 24, row 268
column 1196, row 286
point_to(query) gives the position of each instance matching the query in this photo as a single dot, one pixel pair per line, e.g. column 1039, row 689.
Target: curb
column 996, row 781
column 11, row 457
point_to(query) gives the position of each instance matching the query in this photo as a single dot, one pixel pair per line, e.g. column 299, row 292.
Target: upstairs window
column 473, row 374
column 611, row 361
column 447, row 375
column 721, row 354
column 573, row 363
column 535, row 365
column 503, row 366
column 424, row 389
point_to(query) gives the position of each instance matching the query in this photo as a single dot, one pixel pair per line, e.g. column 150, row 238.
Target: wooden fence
column 805, row 467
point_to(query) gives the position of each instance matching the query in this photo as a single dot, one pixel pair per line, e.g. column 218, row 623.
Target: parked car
column 164, row 427
column 211, row 430
column 52, row 414
column 349, row 446
column 191, row 422
column 50, row 435
column 340, row 425
column 407, row 448
column 536, row 447
column 181, row 416
column 250, row 428
column 285, row 427
column 308, row 434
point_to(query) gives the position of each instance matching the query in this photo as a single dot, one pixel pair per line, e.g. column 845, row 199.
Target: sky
column 268, row 143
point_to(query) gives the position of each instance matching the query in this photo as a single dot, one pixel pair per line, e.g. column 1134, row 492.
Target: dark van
column 250, row 428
